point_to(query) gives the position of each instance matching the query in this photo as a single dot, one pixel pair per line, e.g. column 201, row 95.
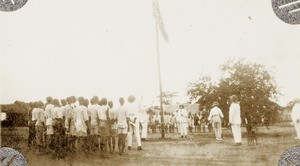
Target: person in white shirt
column 191, row 123
column 93, row 121
column 143, row 119
column 113, row 127
column 295, row 114
column 235, row 120
column 172, row 124
column 132, row 113
column 39, row 117
column 122, row 124
column 177, row 124
column 59, row 129
column 62, row 107
column 70, row 124
column 214, row 117
column 183, row 119
column 103, row 126
column 81, row 124
column 166, row 122
column 157, row 122
column 49, row 127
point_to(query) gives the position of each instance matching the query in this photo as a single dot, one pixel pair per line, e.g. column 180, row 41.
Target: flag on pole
column 159, row 20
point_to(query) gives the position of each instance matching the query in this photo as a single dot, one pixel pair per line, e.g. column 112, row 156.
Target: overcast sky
column 107, row 48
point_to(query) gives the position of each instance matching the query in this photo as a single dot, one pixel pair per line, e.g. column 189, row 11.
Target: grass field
column 198, row 149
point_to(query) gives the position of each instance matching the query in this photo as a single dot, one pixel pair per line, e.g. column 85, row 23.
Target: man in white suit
column 295, row 114
column 235, row 120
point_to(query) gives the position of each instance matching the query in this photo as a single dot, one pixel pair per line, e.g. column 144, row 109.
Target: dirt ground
column 198, row 149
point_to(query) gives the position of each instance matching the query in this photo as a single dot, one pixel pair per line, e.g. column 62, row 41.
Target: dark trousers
column 59, row 139
column 31, row 135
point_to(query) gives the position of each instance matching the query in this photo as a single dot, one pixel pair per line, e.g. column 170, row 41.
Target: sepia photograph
column 149, row 82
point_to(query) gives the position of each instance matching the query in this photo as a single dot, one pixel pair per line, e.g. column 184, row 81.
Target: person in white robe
column 235, row 120
column 295, row 115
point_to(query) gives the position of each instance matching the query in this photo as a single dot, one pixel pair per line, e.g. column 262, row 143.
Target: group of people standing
column 181, row 121
column 72, row 124
column 216, row 115
column 177, row 121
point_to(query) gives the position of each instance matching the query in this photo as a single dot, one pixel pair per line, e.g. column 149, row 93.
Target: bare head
column 104, row 101
column 81, row 100
column 95, row 98
column 131, row 99
column 55, row 102
column 69, row 100
column 181, row 106
column 63, row 102
column 86, row 102
column 73, row 99
column 121, row 101
column 234, row 98
column 40, row 104
column 110, row 104
column 49, row 99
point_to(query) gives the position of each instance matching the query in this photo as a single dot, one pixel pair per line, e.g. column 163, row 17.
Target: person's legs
column 179, row 128
column 239, row 134
column 129, row 137
column 137, row 134
column 93, row 138
column 144, row 130
column 102, row 139
column 215, row 127
column 39, row 137
column 123, row 141
column 220, row 130
column 186, row 131
column 297, row 128
column 109, row 140
column 113, row 142
column 119, row 143
column 236, row 130
column 182, row 130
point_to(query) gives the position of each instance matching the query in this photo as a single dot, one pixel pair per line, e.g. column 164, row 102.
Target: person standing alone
column 215, row 116
column 296, row 119
column 122, row 124
column 235, row 120
column 132, row 113
column 183, row 114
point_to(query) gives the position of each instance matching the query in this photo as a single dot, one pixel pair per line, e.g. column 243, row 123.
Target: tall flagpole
column 160, row 86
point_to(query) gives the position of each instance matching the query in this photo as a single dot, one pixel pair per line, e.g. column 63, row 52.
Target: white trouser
column 236, row 131
column 183, row 126
column 218, row 129
column 136, row 130
column 144, row 129
column 297, row 128
column 179, row 127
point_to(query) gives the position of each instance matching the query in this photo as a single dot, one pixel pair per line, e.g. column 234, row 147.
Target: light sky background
column 107, row 48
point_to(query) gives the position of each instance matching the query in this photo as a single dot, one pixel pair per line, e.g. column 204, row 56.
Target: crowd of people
column 78, row 124
column 71, row 124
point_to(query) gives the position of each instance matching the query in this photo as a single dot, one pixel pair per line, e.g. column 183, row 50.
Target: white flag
column 159, row 20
